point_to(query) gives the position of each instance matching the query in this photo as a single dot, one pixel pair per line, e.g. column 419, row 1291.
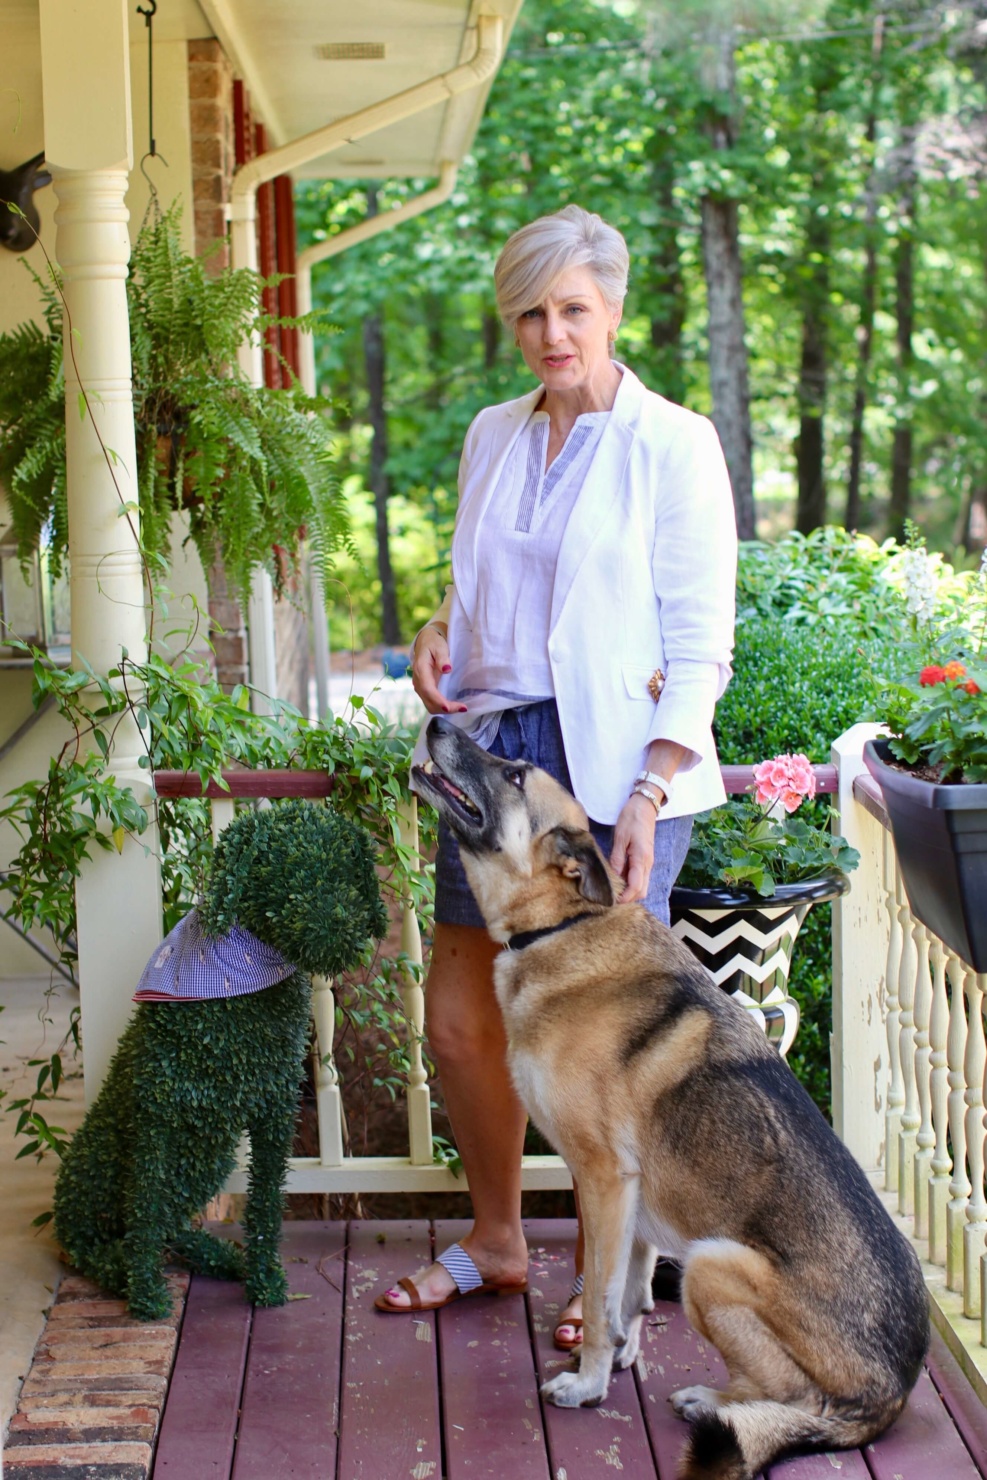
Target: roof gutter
column 373, row 226
column 243, row 203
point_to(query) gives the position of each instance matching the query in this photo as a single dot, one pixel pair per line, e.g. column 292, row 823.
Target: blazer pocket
column 637, row 676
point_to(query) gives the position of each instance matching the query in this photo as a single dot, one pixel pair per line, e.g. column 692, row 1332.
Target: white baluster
column 328, row 1100
column 419, row 1105
column 975, row 1232
column 941, row 1165
column 896, row 1085
column 910, row 1117
column 222, row 811
column 925, row 1138
column 959, row 1187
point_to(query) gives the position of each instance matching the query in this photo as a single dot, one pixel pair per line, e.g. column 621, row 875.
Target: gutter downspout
column 243, row 248
column 467, row 75
column 373, row 226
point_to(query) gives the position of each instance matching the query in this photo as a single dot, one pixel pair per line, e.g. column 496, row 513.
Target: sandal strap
column 414, row 1298
column 459, row 1264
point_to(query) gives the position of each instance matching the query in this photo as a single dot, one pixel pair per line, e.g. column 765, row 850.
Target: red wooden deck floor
column 325, row 1388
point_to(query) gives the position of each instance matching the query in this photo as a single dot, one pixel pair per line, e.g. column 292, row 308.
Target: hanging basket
column 940, row 838
column 745, row 942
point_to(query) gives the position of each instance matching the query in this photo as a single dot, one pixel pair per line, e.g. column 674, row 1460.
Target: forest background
column 802, row 188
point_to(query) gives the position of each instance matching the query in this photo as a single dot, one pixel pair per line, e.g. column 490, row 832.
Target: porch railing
column 909, row 1055
column 334, row 1169
column 909, row 1060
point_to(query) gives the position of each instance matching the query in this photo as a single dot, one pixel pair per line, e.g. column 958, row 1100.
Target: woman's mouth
column 557, row 361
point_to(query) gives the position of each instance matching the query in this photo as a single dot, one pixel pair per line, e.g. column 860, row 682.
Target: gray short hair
column 534, row 259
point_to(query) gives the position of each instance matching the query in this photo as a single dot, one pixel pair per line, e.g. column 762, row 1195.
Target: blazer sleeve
column 694, row 562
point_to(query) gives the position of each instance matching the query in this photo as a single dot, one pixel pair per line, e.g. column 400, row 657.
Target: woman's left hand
column 634, row 847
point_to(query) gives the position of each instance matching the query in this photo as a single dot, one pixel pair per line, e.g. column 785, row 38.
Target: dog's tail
column 735, row 1442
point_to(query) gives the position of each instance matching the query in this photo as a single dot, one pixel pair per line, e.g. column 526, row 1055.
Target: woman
column 589, row 630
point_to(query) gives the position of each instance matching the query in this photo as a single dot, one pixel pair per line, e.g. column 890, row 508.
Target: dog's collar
column 528, row 937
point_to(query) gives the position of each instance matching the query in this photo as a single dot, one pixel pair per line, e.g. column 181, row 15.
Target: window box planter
column 940, row 837
column 745, row 942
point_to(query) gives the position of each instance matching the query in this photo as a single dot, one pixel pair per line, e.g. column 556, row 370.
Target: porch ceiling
column 285, row 56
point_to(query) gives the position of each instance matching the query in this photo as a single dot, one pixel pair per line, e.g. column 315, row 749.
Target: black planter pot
column 745, row 942
column 940, row 837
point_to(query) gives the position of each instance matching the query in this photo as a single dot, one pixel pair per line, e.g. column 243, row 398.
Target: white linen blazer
column 645, row 579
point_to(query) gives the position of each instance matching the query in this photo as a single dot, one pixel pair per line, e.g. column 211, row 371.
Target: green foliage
column 936, row 707
column 251, row 466
column 187, row 723
column 737, row 845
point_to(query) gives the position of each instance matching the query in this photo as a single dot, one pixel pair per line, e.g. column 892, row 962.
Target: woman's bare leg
column 466, row 1035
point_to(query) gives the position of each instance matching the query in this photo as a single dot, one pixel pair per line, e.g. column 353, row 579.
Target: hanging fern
column 251, row 466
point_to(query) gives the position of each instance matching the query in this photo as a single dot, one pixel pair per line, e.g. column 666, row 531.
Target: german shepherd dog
column 684, row 1131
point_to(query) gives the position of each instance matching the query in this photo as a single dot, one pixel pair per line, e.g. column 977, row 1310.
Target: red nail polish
column 447, row 668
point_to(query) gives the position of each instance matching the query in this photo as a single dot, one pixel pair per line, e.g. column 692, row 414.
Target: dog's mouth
column 430, row 778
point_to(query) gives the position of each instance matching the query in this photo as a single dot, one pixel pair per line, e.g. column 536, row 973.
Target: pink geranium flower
column 788, row 779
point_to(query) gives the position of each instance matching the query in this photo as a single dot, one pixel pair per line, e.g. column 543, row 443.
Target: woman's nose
column 553, row 327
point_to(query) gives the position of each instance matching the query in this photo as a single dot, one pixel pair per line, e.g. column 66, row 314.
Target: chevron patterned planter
column 745, row 942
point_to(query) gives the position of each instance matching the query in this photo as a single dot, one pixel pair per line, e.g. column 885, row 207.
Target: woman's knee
column 460, row 1040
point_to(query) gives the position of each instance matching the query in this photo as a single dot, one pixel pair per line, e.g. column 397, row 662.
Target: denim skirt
column 532, row 733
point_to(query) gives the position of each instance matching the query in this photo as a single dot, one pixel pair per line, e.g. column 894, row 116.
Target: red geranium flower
column 971, row 687
column 932, row 675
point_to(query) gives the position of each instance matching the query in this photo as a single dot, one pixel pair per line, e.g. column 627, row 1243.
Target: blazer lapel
column 599, row 493
column 499, row 436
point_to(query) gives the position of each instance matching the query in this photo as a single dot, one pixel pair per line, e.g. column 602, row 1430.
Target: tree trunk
column 868, row 296
column 728, row 369
column 810, row 447
column 664, row 291
column 377, row 478
column 904, row 280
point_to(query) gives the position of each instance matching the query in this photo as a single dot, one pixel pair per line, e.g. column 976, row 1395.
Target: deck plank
column 198, row 1427
column 491, row 1409
column 965, row 1408
column 672, row 1356
column 583, row 1443
column 922, row 1443
column 291, row 1388
column 389, row 1407
column 838, row 1464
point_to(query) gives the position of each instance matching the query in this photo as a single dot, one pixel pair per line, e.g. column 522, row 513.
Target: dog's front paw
column 692, row 1402
column 573, row 1390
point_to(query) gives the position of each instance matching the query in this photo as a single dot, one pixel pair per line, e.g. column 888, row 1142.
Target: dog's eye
column 515, row 778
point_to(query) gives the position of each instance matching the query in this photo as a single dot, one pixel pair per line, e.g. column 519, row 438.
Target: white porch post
column 86, row 85
column 859, row 1046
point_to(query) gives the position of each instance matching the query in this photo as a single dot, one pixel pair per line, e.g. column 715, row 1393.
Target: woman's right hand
column 430, row 661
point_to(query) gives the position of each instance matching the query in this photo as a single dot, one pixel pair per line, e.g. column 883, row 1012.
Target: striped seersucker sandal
column 469, row 1281
column 563, row 1343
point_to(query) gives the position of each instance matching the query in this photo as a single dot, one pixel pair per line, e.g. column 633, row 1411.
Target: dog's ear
column 578, row 857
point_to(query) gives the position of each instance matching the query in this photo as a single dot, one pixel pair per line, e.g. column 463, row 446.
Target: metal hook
column 147, row 14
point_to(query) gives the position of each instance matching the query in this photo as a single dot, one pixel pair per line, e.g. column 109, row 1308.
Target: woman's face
column 564, row 340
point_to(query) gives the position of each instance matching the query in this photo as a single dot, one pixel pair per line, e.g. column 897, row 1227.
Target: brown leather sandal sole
column 417, row 1304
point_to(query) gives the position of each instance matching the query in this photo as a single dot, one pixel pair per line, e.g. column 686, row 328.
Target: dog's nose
column 441, row 725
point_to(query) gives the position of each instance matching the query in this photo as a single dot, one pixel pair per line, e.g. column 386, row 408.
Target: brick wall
column 210, row 78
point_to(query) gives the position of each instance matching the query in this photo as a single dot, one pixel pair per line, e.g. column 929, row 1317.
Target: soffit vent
column 350, row 51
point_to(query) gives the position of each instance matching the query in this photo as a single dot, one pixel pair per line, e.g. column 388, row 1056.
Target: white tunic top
column 518, row 546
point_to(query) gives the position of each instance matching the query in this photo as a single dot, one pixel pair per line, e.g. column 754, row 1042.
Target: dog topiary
column 215, row 1049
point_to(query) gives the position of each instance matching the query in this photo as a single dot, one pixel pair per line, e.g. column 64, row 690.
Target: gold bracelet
column 652, row 796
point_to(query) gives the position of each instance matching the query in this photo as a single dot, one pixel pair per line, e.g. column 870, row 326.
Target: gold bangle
column 652, row 796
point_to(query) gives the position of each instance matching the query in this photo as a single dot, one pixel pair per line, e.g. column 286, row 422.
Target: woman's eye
column 531, row 313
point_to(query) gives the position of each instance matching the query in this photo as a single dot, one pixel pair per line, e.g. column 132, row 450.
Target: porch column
column 86, row 87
